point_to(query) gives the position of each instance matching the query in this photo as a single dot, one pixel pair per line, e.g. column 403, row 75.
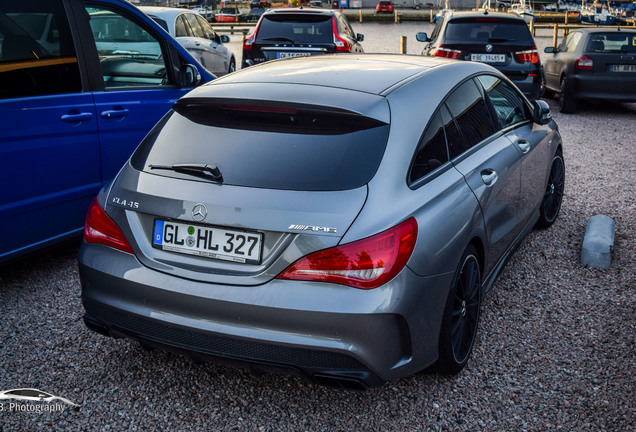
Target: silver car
column 334, row 216
column 196, row 35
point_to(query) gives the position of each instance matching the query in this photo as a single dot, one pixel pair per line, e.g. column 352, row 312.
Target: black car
column 260, row 4
column 283, row 33
column 595, row 63
column 254, row 15
column 501, row 40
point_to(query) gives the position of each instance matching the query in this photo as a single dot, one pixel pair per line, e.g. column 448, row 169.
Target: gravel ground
column 555, row 351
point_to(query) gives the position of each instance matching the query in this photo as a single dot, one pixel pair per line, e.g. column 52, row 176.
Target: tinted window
column 471, row 113
column 37, row 55
column 453, row 137
column 298, row 28
column 431, row 151
column 476, row 30
column 181, row 28
column 507, row 104
column 612, row 42
column 290, row 147
column 129, row 54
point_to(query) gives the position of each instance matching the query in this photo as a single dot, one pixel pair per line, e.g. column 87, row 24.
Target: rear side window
column 471, row 113
column 481, row 30
column 291, row 147
column 296, row 28
column 612, row 42
column 431, row 151
column 37, row 54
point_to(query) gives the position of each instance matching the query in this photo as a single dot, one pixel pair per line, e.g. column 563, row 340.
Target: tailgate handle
column 524, row 146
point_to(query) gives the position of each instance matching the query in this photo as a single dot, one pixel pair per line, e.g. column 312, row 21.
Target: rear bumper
column 607, row 86
column 530, row 85
column 330, row 334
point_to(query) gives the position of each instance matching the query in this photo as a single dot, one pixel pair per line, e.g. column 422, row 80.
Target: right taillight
column 584, row 63
column 528, row 56
column 100, row 228
column 249, row 40
column 341, row 44
column 442, row 51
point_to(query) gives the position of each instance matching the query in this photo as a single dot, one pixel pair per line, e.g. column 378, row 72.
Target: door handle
column 489, row 177
column 114, row 113
column 524, row 146
column 75, row 116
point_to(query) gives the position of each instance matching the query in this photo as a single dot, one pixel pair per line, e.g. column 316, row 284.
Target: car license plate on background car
column 293, row 54
column 623, row 68
column 209, row 242
column 488, row 58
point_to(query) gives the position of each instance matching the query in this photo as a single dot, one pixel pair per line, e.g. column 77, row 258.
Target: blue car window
column 37, row 55
column 129, row 54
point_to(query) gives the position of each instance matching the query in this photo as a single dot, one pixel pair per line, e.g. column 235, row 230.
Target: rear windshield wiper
column 209, row 172
column 278, row 39
column 498, row 39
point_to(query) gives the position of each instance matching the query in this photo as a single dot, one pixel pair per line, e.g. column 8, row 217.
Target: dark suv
column 501, row 40
column 282, row 33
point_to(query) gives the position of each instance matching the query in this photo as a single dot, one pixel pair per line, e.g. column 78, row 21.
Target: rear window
column 478, row 30
column 299, row 28
column 291, row 147
column 612, row 42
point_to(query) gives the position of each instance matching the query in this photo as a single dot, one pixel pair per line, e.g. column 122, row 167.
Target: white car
column 197, row 36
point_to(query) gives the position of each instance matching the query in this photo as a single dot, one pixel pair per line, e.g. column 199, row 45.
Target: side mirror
column 542, row 114
column 422, row 37
column 189, row 76
column 549, row 50
column 359, row 37
column 225, row 38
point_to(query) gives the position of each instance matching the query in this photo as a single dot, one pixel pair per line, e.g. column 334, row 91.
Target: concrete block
column 598, row 243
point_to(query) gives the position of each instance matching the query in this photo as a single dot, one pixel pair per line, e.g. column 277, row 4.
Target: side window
column 37, row 55
column 129, row 55
column 195, row 26
column 437, row 28
column 509, row 106
column 562, row 47
column 471, row 113
column 573, row 42
column 431, row 151
column 181, row 28
column 205, row 27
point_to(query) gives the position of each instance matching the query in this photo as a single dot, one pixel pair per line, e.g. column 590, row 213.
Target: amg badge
column 312, row 228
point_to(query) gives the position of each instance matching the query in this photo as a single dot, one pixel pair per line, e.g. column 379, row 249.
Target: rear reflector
column 365, row 264
column 100, row 228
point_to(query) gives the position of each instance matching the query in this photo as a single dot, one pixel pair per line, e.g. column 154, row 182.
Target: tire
column 232, row 67
column 551, row 203
column 461, row 315
column 567, row 102
column 545, row 93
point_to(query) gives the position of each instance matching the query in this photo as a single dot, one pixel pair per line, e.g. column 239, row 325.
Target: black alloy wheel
column 553, row 196
column 461, row 315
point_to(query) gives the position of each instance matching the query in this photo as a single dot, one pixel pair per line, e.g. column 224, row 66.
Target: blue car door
column 48, row 129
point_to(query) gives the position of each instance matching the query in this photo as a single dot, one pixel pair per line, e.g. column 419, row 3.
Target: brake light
column 341, row 44
column 250, row 39
column 584, row 63
column 100, row 228
column 529, row 56
column 365, row 264
column 441, row 51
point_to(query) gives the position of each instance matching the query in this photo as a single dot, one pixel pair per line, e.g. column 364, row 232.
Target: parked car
column 228, row 15
column 384, row 6
column 595, row 64
column 499, row 39
column 297, row 32
column 74, row 108
column 260, row 4
column 197, row 36
column 254, row 15
column 352, row 244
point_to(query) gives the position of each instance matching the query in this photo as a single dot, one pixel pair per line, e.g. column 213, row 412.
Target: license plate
column 623, row 68
column 208, row 242
column 488, row 58
column 293, row 54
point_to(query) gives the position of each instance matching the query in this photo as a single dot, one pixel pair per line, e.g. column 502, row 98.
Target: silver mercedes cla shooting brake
column 338, row 217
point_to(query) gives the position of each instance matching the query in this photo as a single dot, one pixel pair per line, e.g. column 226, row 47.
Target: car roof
column 368, row 73
column 165, row 12
column 489, row 14
column 606, row 29
column 293, row 11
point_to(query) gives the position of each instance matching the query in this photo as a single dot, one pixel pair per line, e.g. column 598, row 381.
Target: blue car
column 81, row 84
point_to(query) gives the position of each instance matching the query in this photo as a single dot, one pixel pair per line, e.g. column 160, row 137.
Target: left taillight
column 100, row 228
column 341, row 44
column 365, row 264
column 584, row 63
column 528, row 56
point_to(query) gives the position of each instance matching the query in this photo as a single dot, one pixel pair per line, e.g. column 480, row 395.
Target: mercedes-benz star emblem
column 199, row 212
column 488, row 47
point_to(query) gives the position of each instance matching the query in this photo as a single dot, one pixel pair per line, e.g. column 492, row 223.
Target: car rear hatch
column 233, row 191
column 611, row 53
column 283, row 35
column 503, row 43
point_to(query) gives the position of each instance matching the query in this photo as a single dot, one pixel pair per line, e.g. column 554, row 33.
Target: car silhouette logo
column 199, row 212
column 488, row 48
column 31, row 394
